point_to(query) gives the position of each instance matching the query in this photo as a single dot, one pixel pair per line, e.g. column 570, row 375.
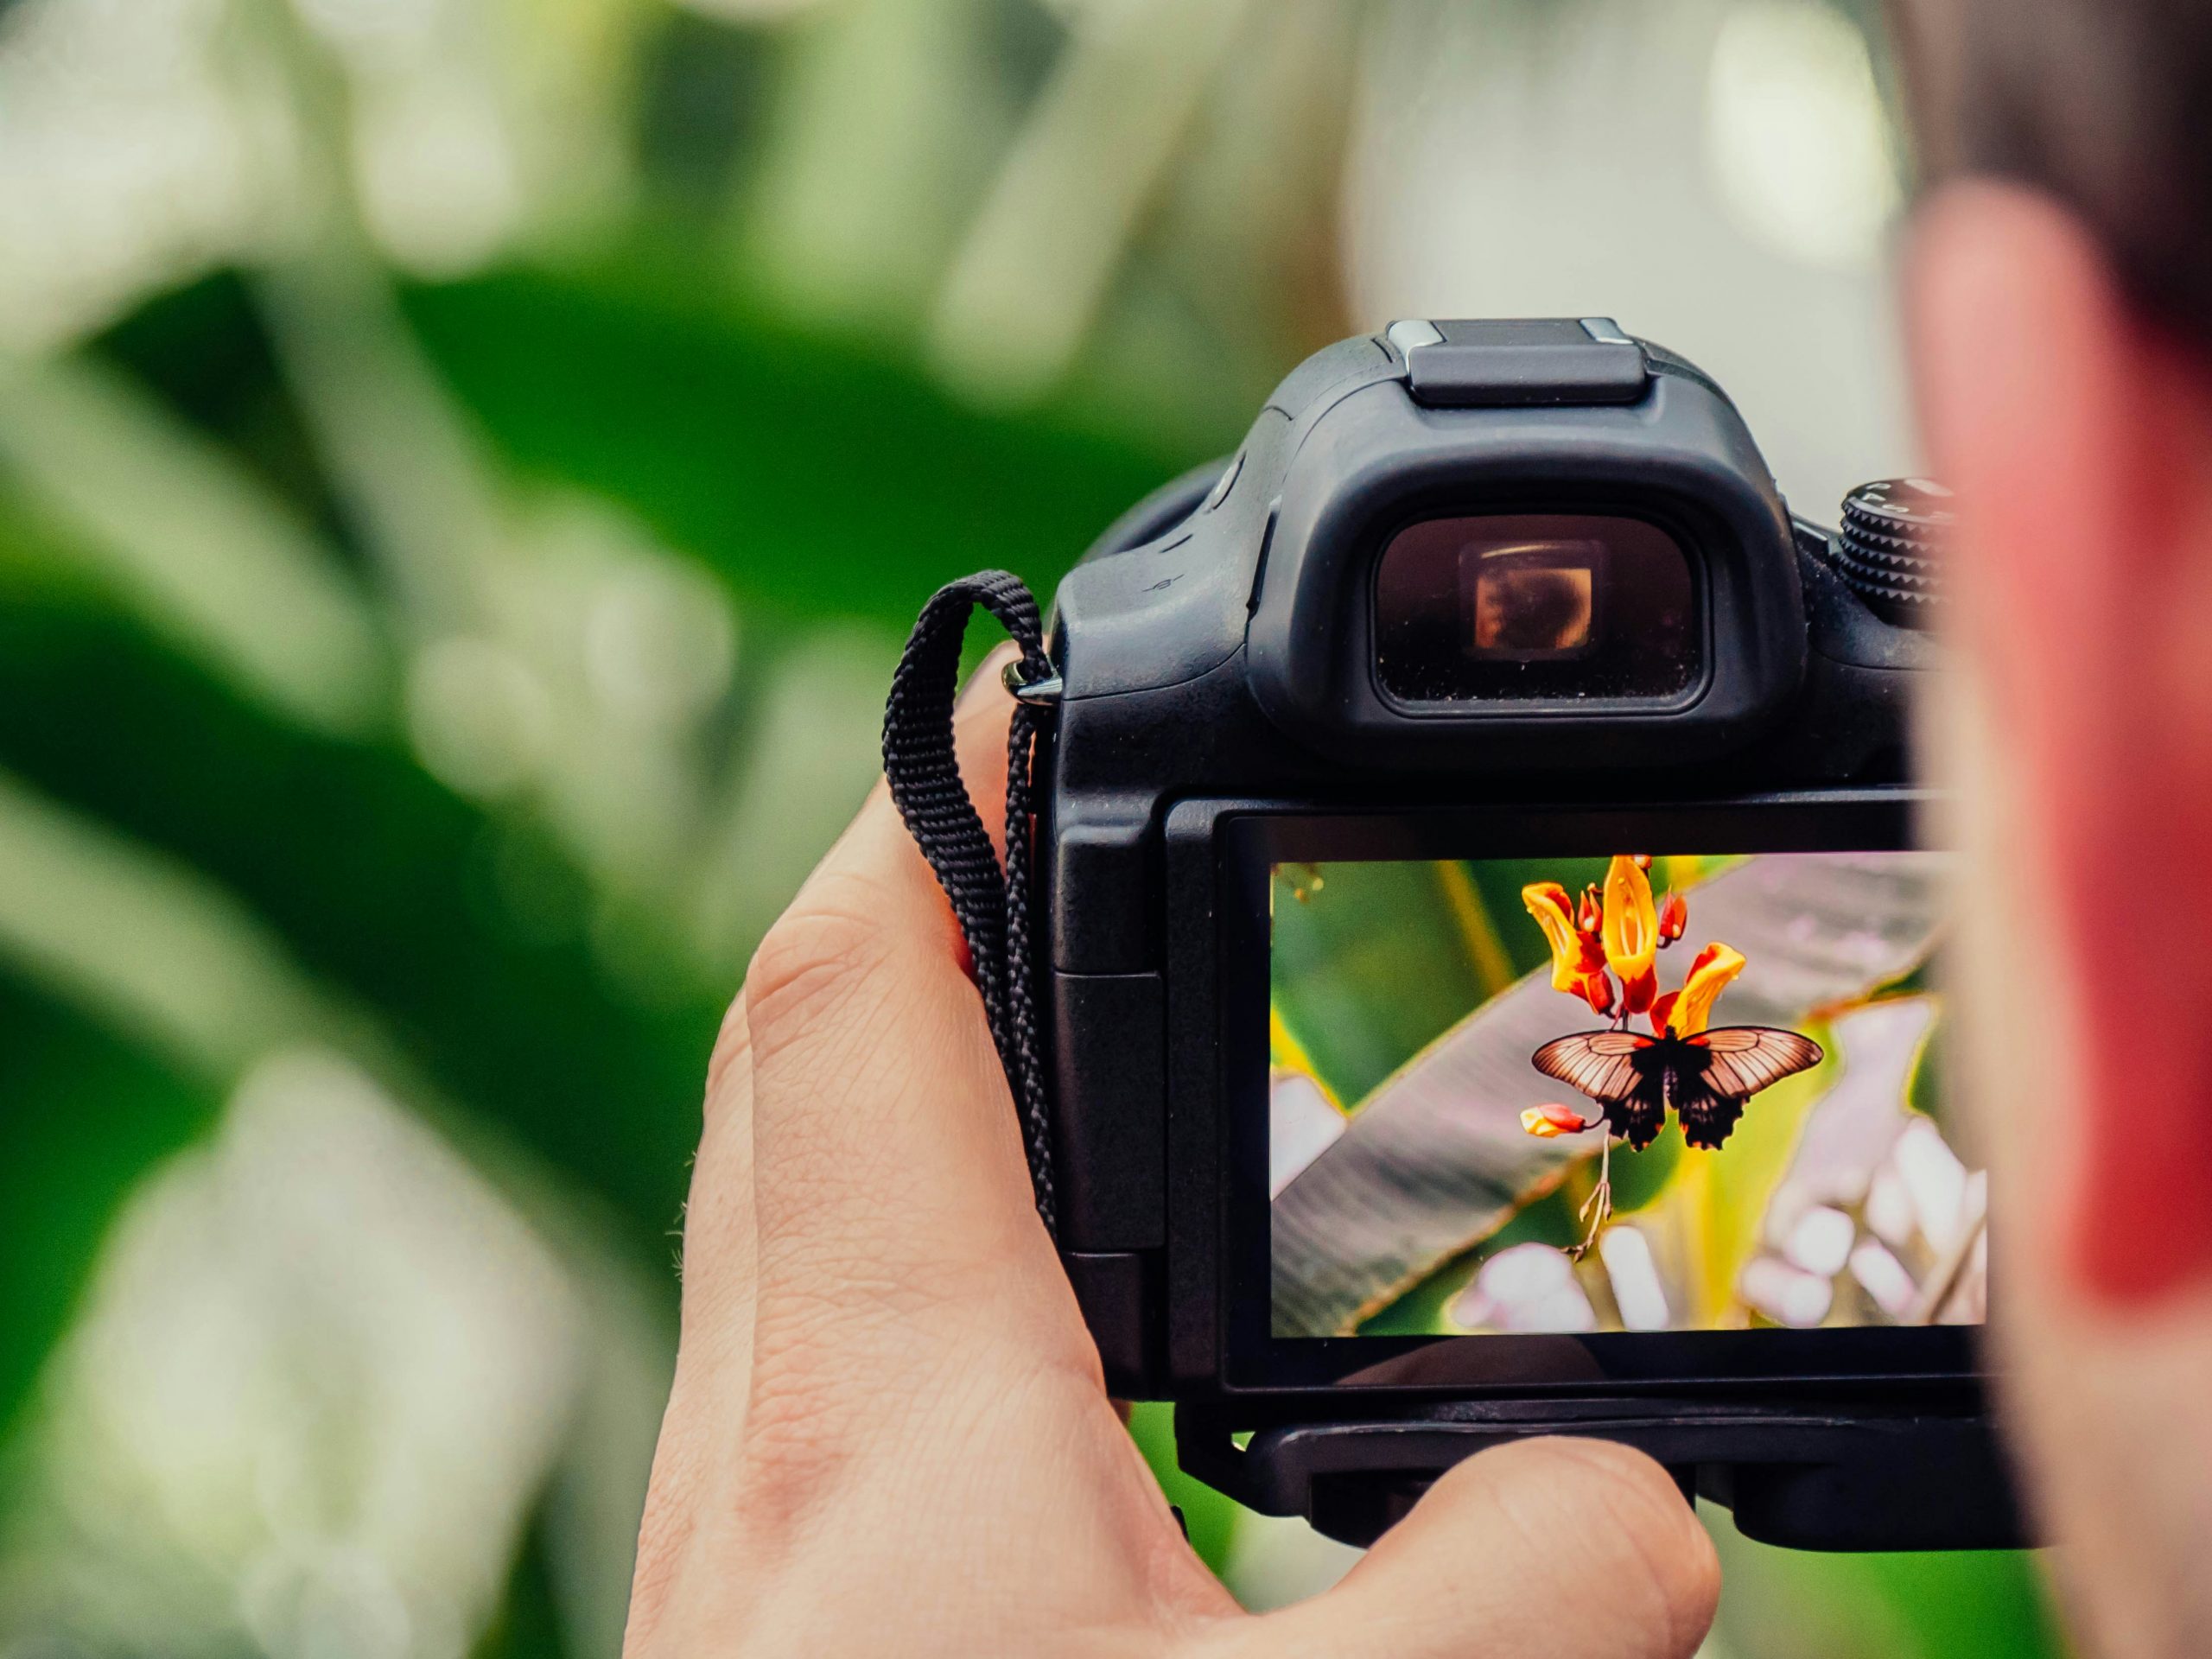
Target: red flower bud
column 1643, row 862
column 1549, row 1122
column 1639, row 991
column 1597, row 991
column 1674, row 917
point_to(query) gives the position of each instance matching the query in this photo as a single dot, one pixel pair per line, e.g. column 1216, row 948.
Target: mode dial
column 1892, row 547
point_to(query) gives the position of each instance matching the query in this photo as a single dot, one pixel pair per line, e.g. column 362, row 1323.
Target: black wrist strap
column 992, row 906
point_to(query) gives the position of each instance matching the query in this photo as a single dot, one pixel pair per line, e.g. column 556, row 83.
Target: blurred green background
column 465, row 469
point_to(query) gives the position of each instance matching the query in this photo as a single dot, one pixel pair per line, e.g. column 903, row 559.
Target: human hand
column 889, row 1433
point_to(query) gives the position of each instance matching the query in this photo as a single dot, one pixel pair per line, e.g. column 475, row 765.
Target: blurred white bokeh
column 1591, row 161
column 323, row 1372
column 1795, row 137
column 136, row 146
column 144, row 142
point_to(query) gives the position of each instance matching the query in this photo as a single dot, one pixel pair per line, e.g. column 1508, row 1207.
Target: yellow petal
column 1554, row 912
column 1712, row 972
column 1631, row 920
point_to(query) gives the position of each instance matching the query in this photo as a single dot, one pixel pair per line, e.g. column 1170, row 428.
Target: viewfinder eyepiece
column 1535, row 608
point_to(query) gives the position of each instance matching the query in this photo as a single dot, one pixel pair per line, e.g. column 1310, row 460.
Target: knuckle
column 812, row 962
column 799, row 1446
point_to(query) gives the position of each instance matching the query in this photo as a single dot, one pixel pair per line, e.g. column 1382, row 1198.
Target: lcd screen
column 1555, row 1096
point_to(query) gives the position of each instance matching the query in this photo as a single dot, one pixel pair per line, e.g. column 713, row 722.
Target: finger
column 719, row 1256
column 882, row 1119
column 891, row 1181
column 718, row 1247
column 704, row 1424
column 699, row 1451
column 1542, row 1549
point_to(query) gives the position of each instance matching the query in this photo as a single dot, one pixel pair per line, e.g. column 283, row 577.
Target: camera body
column 1466, row 591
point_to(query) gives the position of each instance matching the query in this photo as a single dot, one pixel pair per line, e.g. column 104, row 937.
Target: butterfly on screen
column 1706, row 1080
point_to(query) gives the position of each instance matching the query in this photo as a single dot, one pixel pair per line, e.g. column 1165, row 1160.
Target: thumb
column 1542, row 1549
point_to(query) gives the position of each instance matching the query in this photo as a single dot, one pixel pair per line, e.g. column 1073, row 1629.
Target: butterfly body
column 1705, row 1080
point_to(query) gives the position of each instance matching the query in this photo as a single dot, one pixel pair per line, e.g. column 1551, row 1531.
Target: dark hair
column 2106, row 104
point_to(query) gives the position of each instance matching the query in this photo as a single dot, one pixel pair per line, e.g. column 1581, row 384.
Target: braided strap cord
column 991, row 906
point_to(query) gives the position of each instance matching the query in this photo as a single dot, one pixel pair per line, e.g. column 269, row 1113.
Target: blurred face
column 2080, row 728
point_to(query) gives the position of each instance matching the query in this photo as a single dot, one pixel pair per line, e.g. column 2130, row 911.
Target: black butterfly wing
column 1747, row 1059
column 1707, row 1117
column 1601, row 1064
column 1605, row 1065
column 1740, row 1060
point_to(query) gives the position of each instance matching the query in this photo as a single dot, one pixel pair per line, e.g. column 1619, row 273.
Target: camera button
column 1409, row 337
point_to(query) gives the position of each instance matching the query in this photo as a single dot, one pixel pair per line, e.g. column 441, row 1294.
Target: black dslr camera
column 1482, row 985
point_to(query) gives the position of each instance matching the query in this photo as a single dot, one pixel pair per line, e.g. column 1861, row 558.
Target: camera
column 1485, row 953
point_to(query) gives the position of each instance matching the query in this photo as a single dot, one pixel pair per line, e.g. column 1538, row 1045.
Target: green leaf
column 83, row 1115
column 1210, row 1518
column 380, row 882
column 1782, row 1604
column 821, row 478
column 1368, row 968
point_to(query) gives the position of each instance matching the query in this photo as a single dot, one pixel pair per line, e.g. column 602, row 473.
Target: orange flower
column 1674, row 917
column 1576, row 957
column 1631, row 931
column 1691, row 1011
column 1549, row 1122
column 1590, row 915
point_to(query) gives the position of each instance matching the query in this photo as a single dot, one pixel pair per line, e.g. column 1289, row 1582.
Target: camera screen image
column 1614, row 1094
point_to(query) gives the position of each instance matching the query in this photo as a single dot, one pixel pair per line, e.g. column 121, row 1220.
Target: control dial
column 1891, row 549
